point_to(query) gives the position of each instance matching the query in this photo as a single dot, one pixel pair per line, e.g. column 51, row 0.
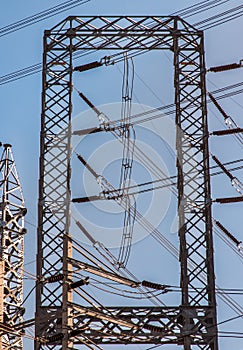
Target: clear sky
column 20, row 125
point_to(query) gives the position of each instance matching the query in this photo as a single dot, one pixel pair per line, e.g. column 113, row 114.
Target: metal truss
column 12, row 211
column 61, row 323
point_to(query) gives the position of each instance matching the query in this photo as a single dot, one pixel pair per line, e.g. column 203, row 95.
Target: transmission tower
column 12, row 252
column 62, row 319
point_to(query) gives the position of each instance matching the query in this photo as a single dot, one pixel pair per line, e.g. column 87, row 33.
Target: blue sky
column 20, row 124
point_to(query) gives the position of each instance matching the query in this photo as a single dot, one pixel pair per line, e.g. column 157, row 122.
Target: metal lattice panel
column 58, row 320
column 155, row 325
column 12, row 252
column 194, row 192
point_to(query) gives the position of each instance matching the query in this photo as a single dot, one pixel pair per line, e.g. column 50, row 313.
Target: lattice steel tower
column 62, row 322
column 12, row 252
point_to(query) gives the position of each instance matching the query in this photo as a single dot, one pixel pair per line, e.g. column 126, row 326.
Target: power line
column 220, row 18
column 40, row 16
column 169, row 178
column 156, row 234
column 198, row 8
column 36, row 68
column 170, row 108
column 191, row 333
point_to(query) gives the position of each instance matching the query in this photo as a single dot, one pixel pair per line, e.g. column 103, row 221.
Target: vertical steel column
column 12, row 212
column 194, row 198
column 54, row 246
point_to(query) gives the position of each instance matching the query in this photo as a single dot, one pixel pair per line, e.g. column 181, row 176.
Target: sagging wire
column 115, row 278
column 167, row 244
column 157, row 291
column 111, row 126
column 136, row 284
column 174, row 251
column 126, row 296
column 173, row 289
column 129, row 218
column 124, row 135
column 108, row 256
column 139, row 191
column 128, row 140
column 105, row 252
column 126, row 109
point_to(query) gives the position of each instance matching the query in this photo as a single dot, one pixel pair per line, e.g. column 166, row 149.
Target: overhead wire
column 170, row 108
column 122, row 270
column 154, row 180
column 231, row 303
column 236, row 307
column 168, row 288
column 112, row 286
column 220, row 18
column 40, row 16
column 191, row 333
column 197, row 8
column 140, row 191
column 154, row 232
column 157, row 169
column 126, row 296
column 109, row 312
column 94, row 257
column 35, row 68
column 129, row 137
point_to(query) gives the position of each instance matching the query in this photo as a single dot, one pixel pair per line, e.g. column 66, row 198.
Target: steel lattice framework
column 61, row 323
column 12, row 252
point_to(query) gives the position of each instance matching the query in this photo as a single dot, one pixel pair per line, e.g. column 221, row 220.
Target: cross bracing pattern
column 12, row 232
column 63, row 318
